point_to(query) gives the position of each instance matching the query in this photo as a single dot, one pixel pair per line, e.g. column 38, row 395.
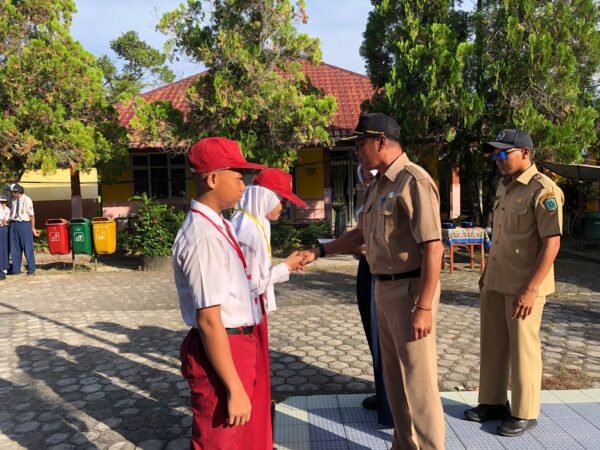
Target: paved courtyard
column 90, row 359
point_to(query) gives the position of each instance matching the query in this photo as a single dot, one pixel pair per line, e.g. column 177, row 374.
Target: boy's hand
column 238, row 407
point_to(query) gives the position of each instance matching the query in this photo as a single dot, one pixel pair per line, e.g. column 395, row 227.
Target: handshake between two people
column 298, row 260
column 351, row 242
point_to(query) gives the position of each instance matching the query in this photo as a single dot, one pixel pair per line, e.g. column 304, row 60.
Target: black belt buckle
column 240, row 330
column 400, row 276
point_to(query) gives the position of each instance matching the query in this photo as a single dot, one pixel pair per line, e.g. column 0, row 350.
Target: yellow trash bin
column 104, row 230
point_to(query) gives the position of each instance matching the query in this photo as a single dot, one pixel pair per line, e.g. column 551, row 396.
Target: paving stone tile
column 107, row 365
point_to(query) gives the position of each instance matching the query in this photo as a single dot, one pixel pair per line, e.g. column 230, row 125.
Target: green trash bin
column 81, row 236
column 591, row 226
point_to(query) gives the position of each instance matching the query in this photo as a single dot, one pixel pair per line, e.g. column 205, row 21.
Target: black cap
column 18, row 188
column 375, row 125
column 509, row 138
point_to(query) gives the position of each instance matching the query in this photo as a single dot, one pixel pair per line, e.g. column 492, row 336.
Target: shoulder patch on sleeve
column 549, row 201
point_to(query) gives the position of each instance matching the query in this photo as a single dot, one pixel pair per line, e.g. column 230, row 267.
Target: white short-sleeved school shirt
column 209, row 272
column 25, row 211
column 4, row 213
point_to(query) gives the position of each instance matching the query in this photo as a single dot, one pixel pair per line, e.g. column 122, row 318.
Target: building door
column 343, row 190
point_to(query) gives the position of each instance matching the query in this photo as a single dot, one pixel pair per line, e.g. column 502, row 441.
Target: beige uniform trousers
column 512, row 348
column 409, row 367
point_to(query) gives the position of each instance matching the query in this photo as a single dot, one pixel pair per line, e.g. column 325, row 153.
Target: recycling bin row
column 81, row 234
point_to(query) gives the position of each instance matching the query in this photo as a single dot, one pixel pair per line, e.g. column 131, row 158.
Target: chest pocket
column 385, row 211
column 518, row 218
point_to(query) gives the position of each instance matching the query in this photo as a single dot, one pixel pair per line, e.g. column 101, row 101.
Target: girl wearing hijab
column 261, row 203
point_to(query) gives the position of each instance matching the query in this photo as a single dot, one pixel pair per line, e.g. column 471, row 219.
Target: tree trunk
column 76, row 201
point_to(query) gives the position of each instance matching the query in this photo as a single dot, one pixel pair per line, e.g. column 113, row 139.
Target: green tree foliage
column 521, row 63
column 143, row 66
column 54, row 109
column 539, row 62
column 253, row 91
column 423, row 66
column 458, row 78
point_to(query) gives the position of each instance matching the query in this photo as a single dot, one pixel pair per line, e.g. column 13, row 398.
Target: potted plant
column 154, row 232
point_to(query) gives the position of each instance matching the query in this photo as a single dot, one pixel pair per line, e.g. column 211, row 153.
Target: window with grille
column 159, row 175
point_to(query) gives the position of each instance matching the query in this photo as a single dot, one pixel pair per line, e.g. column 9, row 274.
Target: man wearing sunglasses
column 527, row 225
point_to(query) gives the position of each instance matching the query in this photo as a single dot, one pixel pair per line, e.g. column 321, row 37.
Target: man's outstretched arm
column 344, row 244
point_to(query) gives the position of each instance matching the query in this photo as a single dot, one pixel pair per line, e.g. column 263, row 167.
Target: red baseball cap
column 279, row 182
column 217, row 153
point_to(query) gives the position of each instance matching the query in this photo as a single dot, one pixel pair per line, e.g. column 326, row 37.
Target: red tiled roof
column 349, row 88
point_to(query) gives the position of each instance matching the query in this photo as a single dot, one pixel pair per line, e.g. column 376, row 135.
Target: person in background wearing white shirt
column 4, row 224
column 216, row 297
column 261, row 203
column 22, row 230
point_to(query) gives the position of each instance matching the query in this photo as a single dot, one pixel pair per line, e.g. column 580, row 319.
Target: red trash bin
column 58, row 236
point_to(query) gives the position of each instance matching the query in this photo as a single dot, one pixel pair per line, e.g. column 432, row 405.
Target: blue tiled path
column 570, row 420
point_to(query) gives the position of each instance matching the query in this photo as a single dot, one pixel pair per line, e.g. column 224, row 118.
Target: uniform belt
column 400, row 276
column 240, row 330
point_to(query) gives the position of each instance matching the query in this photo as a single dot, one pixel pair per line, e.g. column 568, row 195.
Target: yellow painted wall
column 57, row 186
column 310, row 180
column 191, row 186
column 119, row 192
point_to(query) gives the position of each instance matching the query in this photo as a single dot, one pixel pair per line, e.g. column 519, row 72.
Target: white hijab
column 259, row 202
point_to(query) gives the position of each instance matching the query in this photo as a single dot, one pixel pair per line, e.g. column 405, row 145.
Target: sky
column 338, row 24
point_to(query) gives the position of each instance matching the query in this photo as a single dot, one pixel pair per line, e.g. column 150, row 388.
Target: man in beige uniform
column 527, row 224
column 401, row 228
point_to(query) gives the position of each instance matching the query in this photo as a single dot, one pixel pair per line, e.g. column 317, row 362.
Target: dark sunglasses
column 502, row 154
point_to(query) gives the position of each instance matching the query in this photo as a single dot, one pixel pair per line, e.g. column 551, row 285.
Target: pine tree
column 458, row 78
column 143, row 67
column 54, row 110
column 253, row 91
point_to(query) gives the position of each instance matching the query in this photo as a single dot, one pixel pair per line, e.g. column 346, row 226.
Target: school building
column 324, row 177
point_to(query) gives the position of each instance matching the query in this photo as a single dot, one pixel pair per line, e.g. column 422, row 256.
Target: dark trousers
column 21, row 240
column 3, row 248
column 366, row 308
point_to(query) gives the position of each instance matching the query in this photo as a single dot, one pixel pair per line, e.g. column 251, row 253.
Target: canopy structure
column 579, row 172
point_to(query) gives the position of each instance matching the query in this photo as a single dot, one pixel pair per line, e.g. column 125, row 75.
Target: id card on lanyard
column 236, row 246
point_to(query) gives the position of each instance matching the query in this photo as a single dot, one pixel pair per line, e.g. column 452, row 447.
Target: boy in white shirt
column 4, row 218
column 216, row 297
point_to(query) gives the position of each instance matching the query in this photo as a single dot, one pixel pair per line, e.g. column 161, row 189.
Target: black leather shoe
column 370, row 403
column 513, row 426
column 483, row 412
column 30, row 273
column 2, row 276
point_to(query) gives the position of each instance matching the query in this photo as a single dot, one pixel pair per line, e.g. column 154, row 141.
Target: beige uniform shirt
column 525, row 211
column 402, row 211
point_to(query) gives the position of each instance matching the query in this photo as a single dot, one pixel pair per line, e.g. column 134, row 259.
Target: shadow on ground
column 95, row 396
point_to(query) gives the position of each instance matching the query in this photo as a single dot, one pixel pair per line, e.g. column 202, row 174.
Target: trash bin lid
column 102, row 219
column 56, row 221
column 80, row 221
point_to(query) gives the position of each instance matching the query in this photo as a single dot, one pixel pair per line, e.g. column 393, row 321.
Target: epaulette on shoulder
column 417, row 172
column 544, row 180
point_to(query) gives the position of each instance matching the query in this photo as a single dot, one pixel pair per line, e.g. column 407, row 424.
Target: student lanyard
column 255, row 220
column 231, row 240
